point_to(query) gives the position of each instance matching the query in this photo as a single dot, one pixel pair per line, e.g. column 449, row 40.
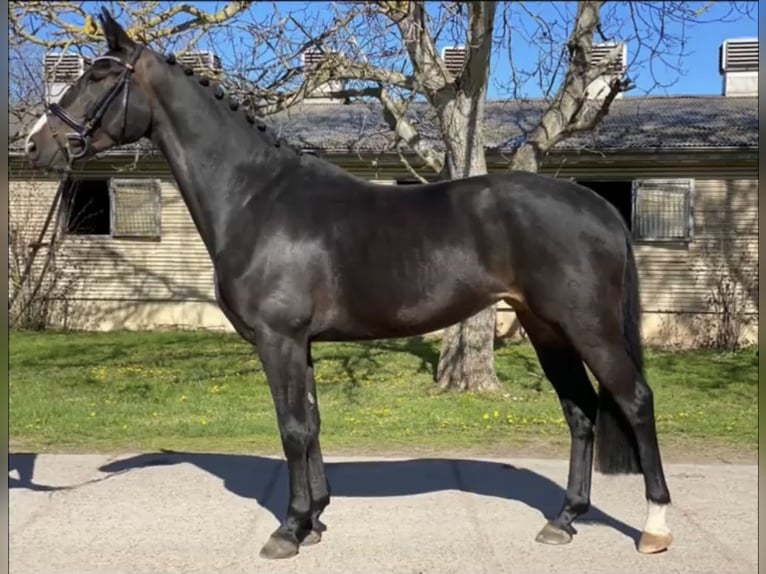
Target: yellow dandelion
column 183, row 398
column 203, row 422
column 486, row 416
column 496, row 414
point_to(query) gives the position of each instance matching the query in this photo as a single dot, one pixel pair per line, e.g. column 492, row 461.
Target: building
column 681, row 170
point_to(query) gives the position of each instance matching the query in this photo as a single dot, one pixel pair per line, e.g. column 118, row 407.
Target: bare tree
column 385, row 52
column 389, row 50
column 39, row 288
column 38, row 27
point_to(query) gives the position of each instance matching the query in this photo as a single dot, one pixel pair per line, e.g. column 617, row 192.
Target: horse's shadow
column 265, row 480
column 24, row 465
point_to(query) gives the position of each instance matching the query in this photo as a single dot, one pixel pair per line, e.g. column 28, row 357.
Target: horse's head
column 107, row 106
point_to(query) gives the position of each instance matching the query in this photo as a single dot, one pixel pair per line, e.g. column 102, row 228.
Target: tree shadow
column 369, row 354
column 265, row 480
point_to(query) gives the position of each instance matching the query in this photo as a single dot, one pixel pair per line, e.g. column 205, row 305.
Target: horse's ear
column 116, row 37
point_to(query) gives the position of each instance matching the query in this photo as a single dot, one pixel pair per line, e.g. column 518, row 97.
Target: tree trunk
column 467, row 360
column 526, row 158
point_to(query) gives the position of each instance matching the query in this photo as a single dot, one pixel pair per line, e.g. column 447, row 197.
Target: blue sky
column 697, row 72
column 698, row 75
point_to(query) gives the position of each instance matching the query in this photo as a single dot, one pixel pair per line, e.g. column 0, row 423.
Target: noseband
column 83, row 129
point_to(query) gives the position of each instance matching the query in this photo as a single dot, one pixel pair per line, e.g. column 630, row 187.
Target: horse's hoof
column 313, row 537
column 551, row 534
column 651, row 543
column 279, row 547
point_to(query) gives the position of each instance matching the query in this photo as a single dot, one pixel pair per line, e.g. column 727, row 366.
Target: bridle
column 83, row 129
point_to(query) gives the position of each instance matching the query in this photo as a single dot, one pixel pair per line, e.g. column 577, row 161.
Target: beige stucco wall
column 662, row 329
column 145, row 284
column 680, row 330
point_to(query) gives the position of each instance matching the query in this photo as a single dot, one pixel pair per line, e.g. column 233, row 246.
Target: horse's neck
column 210, row 153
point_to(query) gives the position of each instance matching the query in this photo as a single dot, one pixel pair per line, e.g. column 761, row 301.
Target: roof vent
column 599, row 52
column 599, row 88
column 61, row 70
column 454, row 58
column 203, row 63
column 311, row 59
column 738, row 64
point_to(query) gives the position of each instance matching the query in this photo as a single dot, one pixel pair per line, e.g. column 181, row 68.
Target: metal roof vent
column 599, row 88
column 600, row 51
column 455, row 58
column 738, row 64
column 204, row 63
column 311, row 59
column 61, row 70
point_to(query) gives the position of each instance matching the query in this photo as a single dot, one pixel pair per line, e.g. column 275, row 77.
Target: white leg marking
column 655, row 518
column 39, row 125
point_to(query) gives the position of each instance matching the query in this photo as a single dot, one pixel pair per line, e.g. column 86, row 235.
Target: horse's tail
column 616, row 445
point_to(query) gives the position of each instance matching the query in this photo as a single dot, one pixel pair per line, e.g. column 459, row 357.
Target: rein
column 82, row 132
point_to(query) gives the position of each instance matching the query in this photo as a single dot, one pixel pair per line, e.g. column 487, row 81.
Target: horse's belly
column 396, row 315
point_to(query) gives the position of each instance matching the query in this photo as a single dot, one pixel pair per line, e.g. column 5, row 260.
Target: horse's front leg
column 284, row 360
column 318, row 483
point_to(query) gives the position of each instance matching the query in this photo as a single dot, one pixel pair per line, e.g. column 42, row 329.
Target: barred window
column 136, row 208
column 663, row 209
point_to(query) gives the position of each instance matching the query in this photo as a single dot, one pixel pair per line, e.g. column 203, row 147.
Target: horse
column 305, row 252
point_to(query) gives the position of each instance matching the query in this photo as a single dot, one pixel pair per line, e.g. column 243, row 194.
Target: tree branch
column 408, row 166
column 567, row 112
column 475, row 75
column 394, row 114
column 410, row 17
column 337, row 67
column 89, row 33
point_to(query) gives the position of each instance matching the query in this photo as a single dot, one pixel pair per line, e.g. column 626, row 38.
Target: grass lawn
column 205, row 391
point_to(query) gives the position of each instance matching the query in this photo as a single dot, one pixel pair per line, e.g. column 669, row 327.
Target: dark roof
column 633, row 123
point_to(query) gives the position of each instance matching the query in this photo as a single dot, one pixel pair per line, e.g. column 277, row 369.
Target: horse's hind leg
column 564, row 368
column 626, row 435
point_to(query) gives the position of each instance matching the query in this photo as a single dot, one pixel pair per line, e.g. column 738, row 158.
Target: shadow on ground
column 24, row 465
column 264, row 479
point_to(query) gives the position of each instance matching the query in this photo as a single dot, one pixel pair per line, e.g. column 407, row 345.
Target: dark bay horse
column 304, row 251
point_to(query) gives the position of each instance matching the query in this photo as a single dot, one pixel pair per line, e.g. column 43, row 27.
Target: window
column 136, row 208
column 87, row 207
column 618, row 193
column 654, row 209
column 663, row 209
column 113, row 208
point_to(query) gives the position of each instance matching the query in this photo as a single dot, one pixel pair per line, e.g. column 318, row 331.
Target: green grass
column 206, row 391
